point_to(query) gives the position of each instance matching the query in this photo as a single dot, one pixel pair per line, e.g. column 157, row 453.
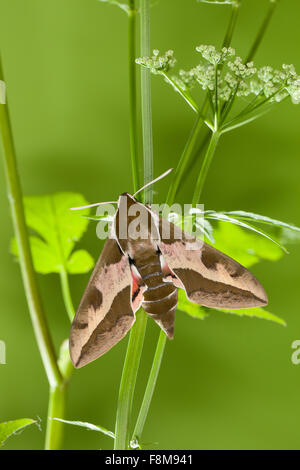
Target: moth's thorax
column 134, row 227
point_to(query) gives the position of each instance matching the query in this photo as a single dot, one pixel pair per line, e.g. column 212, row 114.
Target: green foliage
column 222, row 217
column 9, row 428
column 245, row 247
column 236, row 237
column 253, row 312
column 58, row 229
column 194, row 310
column 198, row 311
column 262, row 219
column 89, row 426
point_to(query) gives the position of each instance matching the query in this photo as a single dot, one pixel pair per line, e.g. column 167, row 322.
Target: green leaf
column 80, row 262
column 188, row 307
column 89, row 426
column 244, row 246
column 9, row 428
column 253, row 312
column 225, row 218
column 242, row 215
column 58, row 229
column 199, row 311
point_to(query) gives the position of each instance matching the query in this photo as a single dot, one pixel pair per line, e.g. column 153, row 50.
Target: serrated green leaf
column 253, row 312
column 262, row 219
column 9, row 428
column 188, row 307
column 58, row 229
column 44, row 260
column 244, row 246
column 225, row 218
column 199, row 311
column 89, row 426
column 80, row 261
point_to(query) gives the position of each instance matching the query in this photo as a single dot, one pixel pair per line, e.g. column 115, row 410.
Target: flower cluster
column 214, row 57
column 277, row 84
column 158, row 64
column 222, row 68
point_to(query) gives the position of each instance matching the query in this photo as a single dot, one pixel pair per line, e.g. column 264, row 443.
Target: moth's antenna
column 154, row 181
column 92, row 205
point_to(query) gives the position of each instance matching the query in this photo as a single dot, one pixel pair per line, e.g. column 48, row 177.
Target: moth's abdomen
column 160, row 298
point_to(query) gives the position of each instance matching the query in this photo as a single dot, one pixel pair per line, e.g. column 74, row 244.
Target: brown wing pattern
column 209, row 277
column 105, row 313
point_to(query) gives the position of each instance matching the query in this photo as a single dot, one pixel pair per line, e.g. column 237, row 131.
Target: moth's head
column 126, row 198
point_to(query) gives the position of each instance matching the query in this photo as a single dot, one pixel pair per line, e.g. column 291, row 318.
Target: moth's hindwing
column 105, row 313
column 209, row 277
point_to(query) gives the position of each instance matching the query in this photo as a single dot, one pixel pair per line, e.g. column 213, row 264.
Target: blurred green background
column 226, row 382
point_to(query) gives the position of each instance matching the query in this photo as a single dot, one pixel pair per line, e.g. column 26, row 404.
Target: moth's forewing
column 105, row 313
column 209, row 277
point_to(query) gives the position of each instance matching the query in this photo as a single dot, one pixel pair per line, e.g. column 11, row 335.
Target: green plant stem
column 186, row 96
column 199, row 187
column 136, row 339
column 56, row 409
column 170, row 199
column 38, row 319
column 146, row 100
column 150, row 386
column 184, row 161
column 128, row 380
column 235, row 8
column 205, row 166
column 34, row 302
column 197, row 194
column 57, row 395
column 65, row 287
column 132, row 13
column 262, row 31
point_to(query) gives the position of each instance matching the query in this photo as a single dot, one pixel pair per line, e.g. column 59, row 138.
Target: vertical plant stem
column 65, row 287
column 34, row 302
column 235, row 8
column 57, row 399
column 262, row 31
column 146, row 100
column 180, row 169
column 137, row 434
column 132, row 94
column 205, row 166
column 56, row 409
column 136, row 339
column 14, row 193
column 179, row 172
column 128, row 380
